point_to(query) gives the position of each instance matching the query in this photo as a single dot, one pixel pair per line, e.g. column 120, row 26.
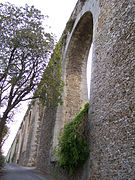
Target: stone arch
column 75, row 90
column 74, row 73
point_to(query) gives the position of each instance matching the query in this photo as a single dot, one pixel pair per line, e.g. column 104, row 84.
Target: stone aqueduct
column 108, row 24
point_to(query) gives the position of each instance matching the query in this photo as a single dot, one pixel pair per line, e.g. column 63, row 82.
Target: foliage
column 5, row 131
column 5, row 134
column 24, row 51
column 68, row 28
column 73, row 149
column 2, row 160
column 70, row 24
column 51, row 85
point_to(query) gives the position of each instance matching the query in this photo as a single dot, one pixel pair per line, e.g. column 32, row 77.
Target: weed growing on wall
column 51, row 85
column 73, row 149
column 67, row 30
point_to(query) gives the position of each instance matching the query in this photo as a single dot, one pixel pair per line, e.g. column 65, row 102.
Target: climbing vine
column 51, row 85
column 69, row 26
column 73, row 150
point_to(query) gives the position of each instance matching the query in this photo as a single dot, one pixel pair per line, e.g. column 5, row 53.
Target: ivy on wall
column 68, row 29
column 73, row 149
column 51, row 85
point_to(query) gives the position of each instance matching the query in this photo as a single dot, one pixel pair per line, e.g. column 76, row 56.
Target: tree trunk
column 2, row 125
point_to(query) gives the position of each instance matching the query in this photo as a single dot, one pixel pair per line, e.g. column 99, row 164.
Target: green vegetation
column 70, row 24
column 73, row 149
column 2, row 160
column 67, row 30
column 5, row 134
column 51, row 85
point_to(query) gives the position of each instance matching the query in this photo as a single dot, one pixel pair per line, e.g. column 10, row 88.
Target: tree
column 24, row 51
column 5, row 134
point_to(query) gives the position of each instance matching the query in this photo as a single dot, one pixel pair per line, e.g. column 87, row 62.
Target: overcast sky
column 59, row 12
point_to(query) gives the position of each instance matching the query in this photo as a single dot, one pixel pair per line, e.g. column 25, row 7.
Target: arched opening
column 89, row 64
column 75, row 75
column 76, row 91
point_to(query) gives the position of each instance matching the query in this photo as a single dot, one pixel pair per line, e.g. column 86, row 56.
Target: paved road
column 15, row 172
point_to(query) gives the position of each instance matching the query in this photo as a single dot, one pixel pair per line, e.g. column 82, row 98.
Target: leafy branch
column 73, row 149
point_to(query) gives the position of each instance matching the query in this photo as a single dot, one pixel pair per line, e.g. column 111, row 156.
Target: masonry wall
column 112, row 114
column 29, row 146
column 108, row 24
column 45, row 140
column 24, row 148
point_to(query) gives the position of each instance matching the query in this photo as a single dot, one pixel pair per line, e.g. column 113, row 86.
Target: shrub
column 73, row 149
column 2, row 160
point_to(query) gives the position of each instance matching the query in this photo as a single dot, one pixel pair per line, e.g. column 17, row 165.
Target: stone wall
column 108, row 24
column 112, row 114
column 45, row 142
column 24, row 147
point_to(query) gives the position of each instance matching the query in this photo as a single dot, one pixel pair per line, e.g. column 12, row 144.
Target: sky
column 59, row 12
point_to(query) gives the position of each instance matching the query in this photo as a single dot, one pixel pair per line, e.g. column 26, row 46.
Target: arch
column 75, row 90
column 74, row 74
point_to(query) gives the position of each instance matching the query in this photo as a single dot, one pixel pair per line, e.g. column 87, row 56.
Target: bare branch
column 30, row 98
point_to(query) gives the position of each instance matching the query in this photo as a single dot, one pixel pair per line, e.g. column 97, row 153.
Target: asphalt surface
column 15, row 172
